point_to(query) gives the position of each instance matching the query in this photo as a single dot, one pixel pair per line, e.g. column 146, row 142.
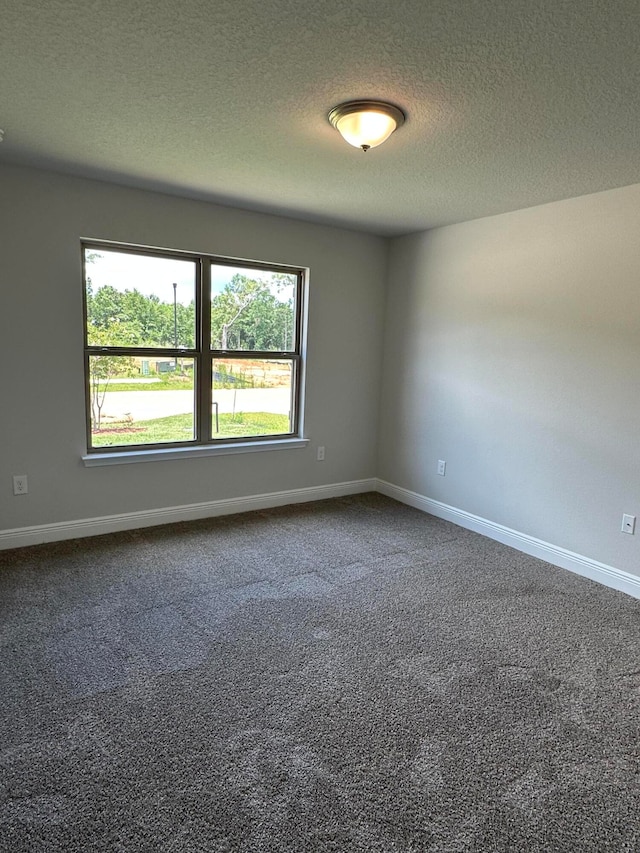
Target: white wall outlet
column 442, row 467
column 320, row 456
column 20, row 484
column 628, row 523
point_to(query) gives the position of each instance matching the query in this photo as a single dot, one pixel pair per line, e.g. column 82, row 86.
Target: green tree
column 247, row 315
column 228, row 306
column 129, row 318
column 102, row 369
column 107, row 321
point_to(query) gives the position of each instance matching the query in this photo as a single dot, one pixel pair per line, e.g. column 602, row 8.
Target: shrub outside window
column 184, row 349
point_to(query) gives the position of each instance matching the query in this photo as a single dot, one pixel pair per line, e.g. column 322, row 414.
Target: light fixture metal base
column 349, row 107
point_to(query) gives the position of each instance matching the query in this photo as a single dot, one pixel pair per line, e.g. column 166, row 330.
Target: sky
column 156, row 275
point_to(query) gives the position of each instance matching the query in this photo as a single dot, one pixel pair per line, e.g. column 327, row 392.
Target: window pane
column 141, row 400
column 252, row 309
column 251, row 397
column 139, row 300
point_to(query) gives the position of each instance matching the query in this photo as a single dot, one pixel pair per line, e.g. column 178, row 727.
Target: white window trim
column 127, row 457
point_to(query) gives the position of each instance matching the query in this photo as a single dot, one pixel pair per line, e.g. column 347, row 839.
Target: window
column 189, row 350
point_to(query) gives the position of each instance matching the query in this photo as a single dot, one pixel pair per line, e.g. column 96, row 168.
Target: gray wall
column 42, row 218
column 513, row 353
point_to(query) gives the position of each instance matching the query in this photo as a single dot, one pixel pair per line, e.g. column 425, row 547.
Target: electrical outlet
column 628, row 524
column 320, row 456
column 442, row 467
column 20, row 484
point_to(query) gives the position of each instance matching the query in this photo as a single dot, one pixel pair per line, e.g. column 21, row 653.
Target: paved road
column 146, row 405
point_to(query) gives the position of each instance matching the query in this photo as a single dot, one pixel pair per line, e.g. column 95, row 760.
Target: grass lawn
column 159, row 385
column 180, row 428
column 181, row 383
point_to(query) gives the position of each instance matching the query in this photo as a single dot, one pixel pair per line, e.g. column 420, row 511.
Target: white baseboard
column 600, row 572
column 41, row 533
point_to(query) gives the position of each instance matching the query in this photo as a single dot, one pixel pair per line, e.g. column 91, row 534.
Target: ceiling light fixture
column 365, row 124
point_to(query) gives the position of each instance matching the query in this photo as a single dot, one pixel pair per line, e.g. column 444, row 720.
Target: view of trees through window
column 149, row 373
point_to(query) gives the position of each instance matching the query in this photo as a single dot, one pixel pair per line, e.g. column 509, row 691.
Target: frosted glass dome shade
column 366, row 124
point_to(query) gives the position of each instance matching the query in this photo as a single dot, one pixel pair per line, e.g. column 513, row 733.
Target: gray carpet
column 348, row 675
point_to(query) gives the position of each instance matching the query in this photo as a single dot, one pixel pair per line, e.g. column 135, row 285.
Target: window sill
column 126, row 457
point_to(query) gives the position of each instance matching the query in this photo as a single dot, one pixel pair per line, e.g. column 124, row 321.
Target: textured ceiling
column 510, row 103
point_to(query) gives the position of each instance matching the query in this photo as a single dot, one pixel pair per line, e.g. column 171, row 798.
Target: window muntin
column 150, row 381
